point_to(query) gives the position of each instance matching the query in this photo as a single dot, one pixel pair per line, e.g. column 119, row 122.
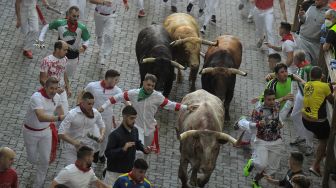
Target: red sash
column 155, row 142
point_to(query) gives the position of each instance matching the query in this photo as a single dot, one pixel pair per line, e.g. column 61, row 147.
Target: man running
column 72, row 32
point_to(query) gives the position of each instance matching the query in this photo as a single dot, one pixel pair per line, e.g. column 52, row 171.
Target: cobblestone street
column 19, row 79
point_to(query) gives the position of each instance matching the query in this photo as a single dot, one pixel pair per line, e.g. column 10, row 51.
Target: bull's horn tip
column 245, row 74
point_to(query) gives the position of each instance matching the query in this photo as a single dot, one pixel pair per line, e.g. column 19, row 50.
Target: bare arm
column 283, row 9
column 97, row 2
column 53, row 184
column 70, row 140
column 298, row 79
column 43, row 117
column 18, row 13
column 100, row 184
column 289, row 60
column 67, row 84
column 43, row 78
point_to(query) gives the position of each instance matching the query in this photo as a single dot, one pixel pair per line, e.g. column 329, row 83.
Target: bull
column 221, row 65
column 200, row 134
column 184, row 31
column 154, row 56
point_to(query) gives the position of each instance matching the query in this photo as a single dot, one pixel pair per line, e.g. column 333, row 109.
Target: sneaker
column 250, row 19
column 309, row 151
column 260, row 42
column 189, row 7
column 248, row 167
column 213, row 19
column 141, row 14
column 200, row 12
column 240, row 6
column 203, row 29
column 95, row 157
column 28, row 54
column 173, row 8
column 102, row 159
column 297, row 141
column 255, row 184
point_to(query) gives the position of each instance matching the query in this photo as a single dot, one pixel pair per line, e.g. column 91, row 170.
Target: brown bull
column 221, row 64
column 184, row 31
column 200, row 134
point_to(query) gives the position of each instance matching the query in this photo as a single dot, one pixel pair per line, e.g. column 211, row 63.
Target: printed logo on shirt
column 68, row 33
column 309, row 90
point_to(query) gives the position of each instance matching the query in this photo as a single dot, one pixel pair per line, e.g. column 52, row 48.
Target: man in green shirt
column 72, row 32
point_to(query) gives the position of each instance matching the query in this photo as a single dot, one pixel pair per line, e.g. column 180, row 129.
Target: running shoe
column 141, row 14
column 189, row 7
column 248, row 167
column 28, row 54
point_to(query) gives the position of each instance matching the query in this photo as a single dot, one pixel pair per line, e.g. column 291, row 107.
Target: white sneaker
column 101, row 61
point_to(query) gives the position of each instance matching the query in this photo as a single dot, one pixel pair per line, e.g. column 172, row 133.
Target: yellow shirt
column 314, row 99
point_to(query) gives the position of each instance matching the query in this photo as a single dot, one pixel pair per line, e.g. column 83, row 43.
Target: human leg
column 71, row 67
column 269, row 21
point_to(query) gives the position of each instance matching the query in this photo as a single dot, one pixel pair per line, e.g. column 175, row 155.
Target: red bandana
column 288, row 37
column 81, row 168
column 133, row 178
column 103, row 85
column 72, row 26
column 44, row 93
column 303, row 64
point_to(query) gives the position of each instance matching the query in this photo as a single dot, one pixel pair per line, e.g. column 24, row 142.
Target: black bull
column 154, row 56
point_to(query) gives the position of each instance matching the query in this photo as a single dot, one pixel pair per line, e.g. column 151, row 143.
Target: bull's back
column 208, row 115
column 181, row 25
column 229, row 44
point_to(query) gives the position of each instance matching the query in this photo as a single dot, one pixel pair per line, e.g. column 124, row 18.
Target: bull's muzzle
column 223, row 70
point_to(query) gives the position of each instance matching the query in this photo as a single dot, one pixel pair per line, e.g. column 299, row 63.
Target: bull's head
column 162, row 68
column 204, row 148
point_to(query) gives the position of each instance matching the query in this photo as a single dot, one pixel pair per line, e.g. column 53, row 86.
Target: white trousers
column 29, row 26
column 64, row 101
column 38, row 147
column 201, row 3
column 111, row 177
column 141, row 6
column 81, row 4
column 146, row 140
column 266, row 155
column 71, row 67
column 264, row 20
column 296, row 117
column 250, row 133
column 104, row 32
column 69, row 153
column 210, row 9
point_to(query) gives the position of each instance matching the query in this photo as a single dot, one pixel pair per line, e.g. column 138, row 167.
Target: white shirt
column 101, row 95
column 29, row 3
column 37, row 101
column 146, row 109
column 72, row 177
column 107, row 9
column 77, row 126
column 54, row 67
column 289, row 46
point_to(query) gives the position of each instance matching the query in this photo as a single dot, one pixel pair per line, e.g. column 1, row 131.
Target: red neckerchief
column 44, row 93
column 86, row 113
column 303, row 64
column 72, row 26
column 133, row 178
column 81, row 168
column 103, row 84
column 287, row 37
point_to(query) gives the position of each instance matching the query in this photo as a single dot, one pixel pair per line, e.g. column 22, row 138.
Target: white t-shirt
column 72, row 177
column 288, row 46
column 107, row 9
column 101, row 95
column 54, row 67
column 77, row 126
column 37, row 101
column 31, row 3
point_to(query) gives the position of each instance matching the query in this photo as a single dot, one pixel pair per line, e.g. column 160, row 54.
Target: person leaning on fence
column 330, row 23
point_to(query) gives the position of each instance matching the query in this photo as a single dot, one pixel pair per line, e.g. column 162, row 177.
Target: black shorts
column 320, row 129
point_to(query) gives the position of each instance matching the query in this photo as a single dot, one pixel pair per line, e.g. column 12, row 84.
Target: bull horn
column 149, row 60
column 181, row 41
column 237, row 71
column 207, row 42
column 202, row 54
column 207, row 70
column 177, row 65
column 189, row 133
column 226, row 137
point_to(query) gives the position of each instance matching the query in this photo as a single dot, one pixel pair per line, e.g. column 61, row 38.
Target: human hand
column 101, row 110
column 18, row 23
column 289, row 96
column 254, row 100
column 69, row 92
column 60, row 90
column 100, row 139
column 128, row 145
column 262, row 123
column 148, row 150
column 268, row 45
column 269, row 77
column 302, row 12
column 126, row 6
column 77, row 144
column 81, row 50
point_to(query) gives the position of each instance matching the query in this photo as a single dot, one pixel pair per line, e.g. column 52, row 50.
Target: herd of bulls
column 177, row 44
